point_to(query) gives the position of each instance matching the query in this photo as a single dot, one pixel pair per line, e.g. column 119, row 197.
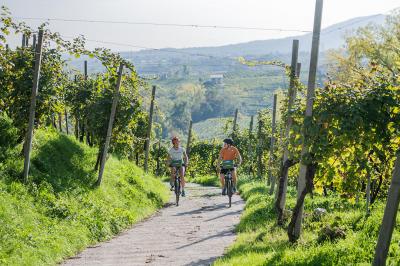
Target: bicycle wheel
column 229, row 191
column 177, row 189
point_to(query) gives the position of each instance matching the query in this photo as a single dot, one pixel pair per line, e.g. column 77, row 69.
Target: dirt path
column 194, row 233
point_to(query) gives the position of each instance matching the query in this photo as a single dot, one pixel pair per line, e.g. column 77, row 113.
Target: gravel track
column 194, row 233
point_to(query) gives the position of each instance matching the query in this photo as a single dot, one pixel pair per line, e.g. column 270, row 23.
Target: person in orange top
column 228, row 155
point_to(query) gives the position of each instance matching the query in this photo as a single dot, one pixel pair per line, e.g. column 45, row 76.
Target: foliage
column 8, row 137
column 86, row 100
column 59, row 212
column 262, row 242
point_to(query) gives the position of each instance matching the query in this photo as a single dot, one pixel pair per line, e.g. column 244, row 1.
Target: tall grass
column 262, row 242
column 60, row 212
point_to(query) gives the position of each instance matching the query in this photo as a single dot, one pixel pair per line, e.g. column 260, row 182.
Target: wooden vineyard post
column 59, row 121
column 34, row 42
column 298, row 70
column 66, row 121
column 271, row 154
column 249, row 149
column 87, row 131
column 305, row 182
column 76, row 130
column 259, row 147
column 283, row 175
column 23, row 41
column 158, row 158
column 189, row 138
column 110, row 125
column 85, row 70
column 389, row 217
column 234, row 128
column 147, row 147
column 368, row 192
column 35, row 86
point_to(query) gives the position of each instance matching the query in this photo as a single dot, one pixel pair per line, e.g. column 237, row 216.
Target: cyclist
column 228, row 155
column 177, row 156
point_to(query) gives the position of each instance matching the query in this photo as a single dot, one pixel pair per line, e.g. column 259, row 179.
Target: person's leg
column 234, row 179
column 182, row 175
column 172, row 181
column 222, row 179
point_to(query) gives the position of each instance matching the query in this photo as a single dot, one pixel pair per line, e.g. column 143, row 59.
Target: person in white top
column 177, row 159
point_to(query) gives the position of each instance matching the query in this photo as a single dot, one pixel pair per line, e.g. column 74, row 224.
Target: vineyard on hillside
column 340, row 142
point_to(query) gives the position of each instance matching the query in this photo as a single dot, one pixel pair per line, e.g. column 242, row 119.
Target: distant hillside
column 247, row 88
column 331, row 37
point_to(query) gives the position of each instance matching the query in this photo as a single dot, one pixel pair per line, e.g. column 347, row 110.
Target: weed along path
column 194, row 233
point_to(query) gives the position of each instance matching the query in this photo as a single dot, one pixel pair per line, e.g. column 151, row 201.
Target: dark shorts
column 224, row 171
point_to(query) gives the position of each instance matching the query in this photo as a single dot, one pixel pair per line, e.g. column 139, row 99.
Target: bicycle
column 177, row 181
column 177, row 184
column 228, row 187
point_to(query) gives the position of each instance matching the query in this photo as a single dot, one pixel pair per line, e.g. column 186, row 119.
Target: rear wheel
column 229, row 191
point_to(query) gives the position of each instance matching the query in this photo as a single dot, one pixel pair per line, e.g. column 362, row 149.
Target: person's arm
column 168, row 160
column 219, row 161
column 239, row 157
column 185, row 158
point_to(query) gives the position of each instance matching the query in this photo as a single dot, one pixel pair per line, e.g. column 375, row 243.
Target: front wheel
column 177, row 190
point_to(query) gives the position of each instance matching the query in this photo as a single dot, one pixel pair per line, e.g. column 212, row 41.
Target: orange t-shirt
column 230, row 153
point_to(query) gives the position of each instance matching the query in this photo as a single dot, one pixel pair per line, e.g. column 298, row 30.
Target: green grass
column 206, row 180
column 262, row 242
column 60, row 212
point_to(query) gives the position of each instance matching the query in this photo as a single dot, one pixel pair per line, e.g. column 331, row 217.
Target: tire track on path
column 194, row 233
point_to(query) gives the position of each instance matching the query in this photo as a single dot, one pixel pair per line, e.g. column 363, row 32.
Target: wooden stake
column 34, row 42
column 158, row 158
column 110, row 125
column 29, row 135
column 59, row 122
column 294, row 233
column 66, row 121
column 271, row 154
column 23, row 40
column 249, row 148
column 368, row 192
column 85, row 69
column 298, row 70
column 189, row 138
column 389, row 217
column 147, row 147
column 282, row 186
column 235, row 123
column 259, row 148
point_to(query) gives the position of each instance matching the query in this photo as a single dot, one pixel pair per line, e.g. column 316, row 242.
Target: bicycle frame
column 177, row 183
column 229, row 185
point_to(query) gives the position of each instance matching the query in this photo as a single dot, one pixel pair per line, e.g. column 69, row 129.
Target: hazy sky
column 286, row 14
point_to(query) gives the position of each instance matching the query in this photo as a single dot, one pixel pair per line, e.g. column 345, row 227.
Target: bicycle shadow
column 208, row 208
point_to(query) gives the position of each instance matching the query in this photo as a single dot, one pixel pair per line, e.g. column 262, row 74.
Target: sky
column 283, row 14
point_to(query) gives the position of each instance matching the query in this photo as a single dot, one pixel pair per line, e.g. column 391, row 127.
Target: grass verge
column 262, row 242
column 59, row 212
column 205, row 180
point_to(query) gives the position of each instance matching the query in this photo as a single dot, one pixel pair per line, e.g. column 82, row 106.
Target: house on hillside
column 217, row 79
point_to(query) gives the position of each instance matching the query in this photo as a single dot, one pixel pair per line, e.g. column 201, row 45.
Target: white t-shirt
column 176, row 154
